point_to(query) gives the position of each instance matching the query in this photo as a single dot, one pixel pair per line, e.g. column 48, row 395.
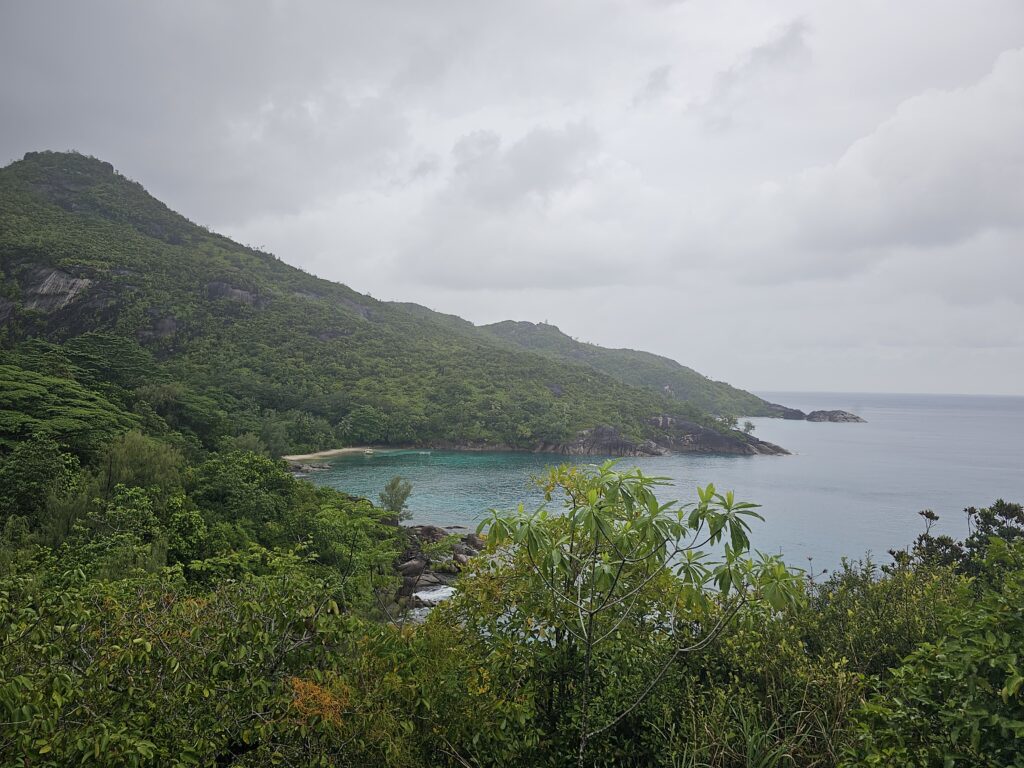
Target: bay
column 847, row 490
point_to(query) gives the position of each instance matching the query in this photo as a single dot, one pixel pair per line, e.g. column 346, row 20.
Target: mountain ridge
column 253, row 345
column 639, row 368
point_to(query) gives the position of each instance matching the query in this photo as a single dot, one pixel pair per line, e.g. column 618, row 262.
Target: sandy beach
column 331, row 452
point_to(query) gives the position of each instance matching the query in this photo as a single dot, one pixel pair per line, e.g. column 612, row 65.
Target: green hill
column 231, row 341
column 640, row 369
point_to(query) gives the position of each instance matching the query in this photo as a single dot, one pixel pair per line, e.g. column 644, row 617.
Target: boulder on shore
column 298, row 468
column 423, row 573
column 413, row 567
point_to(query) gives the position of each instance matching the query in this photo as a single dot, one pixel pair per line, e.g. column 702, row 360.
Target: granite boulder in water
column 838, row 416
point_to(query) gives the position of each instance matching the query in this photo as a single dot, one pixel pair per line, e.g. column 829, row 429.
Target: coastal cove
column 847, row 489
column 374, row 385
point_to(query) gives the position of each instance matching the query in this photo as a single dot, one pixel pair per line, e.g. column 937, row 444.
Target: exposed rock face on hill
column 782, row 412
column 164, row 326
column 53, row 289
column 221, row 290
column 839, row 416
column 603, row 441
column 681, row 436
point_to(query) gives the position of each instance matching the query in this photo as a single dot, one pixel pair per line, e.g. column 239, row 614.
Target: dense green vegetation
column 395, row 497
column 220, row 340
column 36, row 403
column 156, row 611
column 171, row 596
column 642, row 369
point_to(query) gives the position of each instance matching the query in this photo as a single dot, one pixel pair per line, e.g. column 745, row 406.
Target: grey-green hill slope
column 642, row 369
column 242, row 342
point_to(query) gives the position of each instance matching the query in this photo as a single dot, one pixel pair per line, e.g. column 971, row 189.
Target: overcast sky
column 799, row 194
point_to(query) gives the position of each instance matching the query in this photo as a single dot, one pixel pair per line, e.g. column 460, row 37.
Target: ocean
column 848, row 490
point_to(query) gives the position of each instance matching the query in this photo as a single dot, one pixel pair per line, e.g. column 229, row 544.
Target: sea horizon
column 846, row 489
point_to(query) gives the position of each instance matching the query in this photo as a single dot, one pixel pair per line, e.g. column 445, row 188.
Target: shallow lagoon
column 846, row 490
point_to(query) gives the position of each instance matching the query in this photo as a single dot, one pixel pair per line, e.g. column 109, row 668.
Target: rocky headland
column 668, row 434
column 795, row 414
column 836, row 416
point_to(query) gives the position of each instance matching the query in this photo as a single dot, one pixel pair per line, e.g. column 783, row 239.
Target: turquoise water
column 847, row 489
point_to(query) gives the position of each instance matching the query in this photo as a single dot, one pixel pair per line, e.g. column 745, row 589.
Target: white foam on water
column 435, row 595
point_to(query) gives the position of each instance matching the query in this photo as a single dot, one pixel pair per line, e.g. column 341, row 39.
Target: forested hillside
column 642, row 369
column 230, row 341
column 170, row 595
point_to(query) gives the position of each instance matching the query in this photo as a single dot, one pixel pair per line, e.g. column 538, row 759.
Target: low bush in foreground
column 157, row 612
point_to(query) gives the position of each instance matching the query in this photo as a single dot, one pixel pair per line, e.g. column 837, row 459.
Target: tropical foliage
column 156, row 610
column 641, row 369
column 170, row 595
column 219, row 340
column 395, row 497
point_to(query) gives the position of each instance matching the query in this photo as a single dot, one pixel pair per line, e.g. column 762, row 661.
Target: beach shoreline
column 332, row 452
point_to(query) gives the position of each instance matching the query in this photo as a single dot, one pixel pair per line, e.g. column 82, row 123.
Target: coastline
column 552, row 450
column 333, row 452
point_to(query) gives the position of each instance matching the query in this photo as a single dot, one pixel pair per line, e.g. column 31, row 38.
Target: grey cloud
column 781, row 194
column 287, row 155
column 788, row 48
column 968, row 273
column 426, row 66
column 542, row 162
column 947, row 166
column 474, row 148
column 428, row 166
column 226, row 113
column 655, row 86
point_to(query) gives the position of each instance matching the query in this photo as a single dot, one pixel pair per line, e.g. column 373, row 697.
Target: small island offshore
column 838, row 416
